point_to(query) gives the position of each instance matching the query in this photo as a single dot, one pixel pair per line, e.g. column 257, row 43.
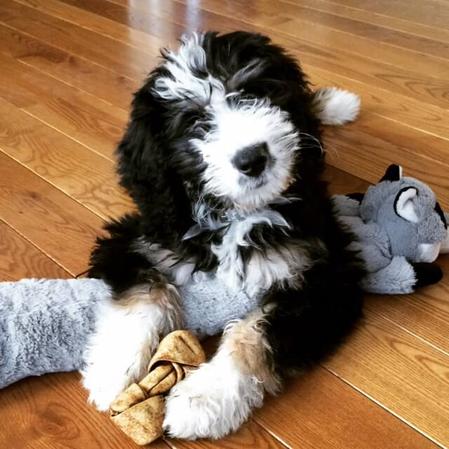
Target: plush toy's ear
column 404, row 204
column 393, row 173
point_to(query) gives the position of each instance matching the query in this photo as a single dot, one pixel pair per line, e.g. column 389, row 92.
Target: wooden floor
column 68, row 69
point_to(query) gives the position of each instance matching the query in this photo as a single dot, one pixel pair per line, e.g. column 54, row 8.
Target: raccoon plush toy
column 400, row 230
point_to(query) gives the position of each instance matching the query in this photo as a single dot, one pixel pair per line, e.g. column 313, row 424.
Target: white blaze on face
column 238, row 124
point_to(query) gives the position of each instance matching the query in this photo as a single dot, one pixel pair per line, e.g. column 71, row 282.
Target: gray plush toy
column 400, row 230
column 45, row 324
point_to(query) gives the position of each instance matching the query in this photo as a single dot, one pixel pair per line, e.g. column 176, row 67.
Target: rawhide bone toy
column 139, row 410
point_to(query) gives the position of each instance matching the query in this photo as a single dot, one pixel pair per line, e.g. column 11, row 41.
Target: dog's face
column 222, row 111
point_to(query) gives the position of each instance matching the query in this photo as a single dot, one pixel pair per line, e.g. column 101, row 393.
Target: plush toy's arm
column 346, row 205
column 371, row 243
column 400, row 277
column 387, row 274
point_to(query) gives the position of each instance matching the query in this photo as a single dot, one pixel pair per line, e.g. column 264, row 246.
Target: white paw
column 104, row 387
column 212, row 401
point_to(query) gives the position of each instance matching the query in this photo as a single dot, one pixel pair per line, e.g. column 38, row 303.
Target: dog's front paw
column 104, row 387
column 211, row 402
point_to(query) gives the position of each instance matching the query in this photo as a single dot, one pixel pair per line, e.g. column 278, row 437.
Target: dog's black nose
column 252, row 160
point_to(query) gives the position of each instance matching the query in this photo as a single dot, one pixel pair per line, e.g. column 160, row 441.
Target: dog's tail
column 335, row 106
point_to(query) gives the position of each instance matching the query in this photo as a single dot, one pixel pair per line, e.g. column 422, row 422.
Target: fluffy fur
column 270, row 231
column 335, row 106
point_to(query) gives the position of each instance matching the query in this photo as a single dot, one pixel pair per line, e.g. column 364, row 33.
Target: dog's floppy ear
column 404, row 204
column 143, row 165
column 393, row 173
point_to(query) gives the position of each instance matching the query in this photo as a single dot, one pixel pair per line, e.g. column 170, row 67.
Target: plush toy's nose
column 252, row 160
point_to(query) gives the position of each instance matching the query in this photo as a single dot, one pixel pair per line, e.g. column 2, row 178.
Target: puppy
column 223, row 158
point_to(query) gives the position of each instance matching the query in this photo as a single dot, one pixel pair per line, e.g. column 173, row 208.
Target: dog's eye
column 182, row 123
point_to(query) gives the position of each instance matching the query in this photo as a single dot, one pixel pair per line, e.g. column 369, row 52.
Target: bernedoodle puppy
column 223, row 158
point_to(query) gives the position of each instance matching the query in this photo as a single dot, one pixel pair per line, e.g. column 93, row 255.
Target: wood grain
column 85, row 118
column 55, row 223
column 407, row 376
column 433, row 13
column 20, row 259
column 102, row 25
column 371, row 17
column 412, row 52
column 368, row 151
column 323, row 412
column 249, row 435
column 410, row 112
column 80, row 173
column 51, row 411
column 374, row 72
column 142, row 17
column 126, row 60
column 69, row 70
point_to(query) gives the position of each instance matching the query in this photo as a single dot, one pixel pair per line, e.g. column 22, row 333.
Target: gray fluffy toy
column 45, row 324
column 400, row 230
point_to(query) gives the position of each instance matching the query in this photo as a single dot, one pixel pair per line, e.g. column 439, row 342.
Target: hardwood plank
column 99, row 24
column 416, row 54
column 249, row 435
column 80, row 173
column 51, row 412
column 351, row 65
column 425, row 314
column 390, row 105
column 366, row 149
column 81, row 116
column 167, row 31
column 53, row 222
column 432, row 13
column 424, row 49
column 123, row 59
column 319, row 411
column 74, row 71
column 390, row 77
column 20, row 259
column 380, row 19
column 432, row 118
column 404, row 374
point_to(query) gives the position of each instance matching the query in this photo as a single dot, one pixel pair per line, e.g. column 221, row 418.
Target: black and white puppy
column 222, row 157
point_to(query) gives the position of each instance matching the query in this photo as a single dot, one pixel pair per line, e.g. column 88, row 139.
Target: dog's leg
column 127, row 333
column 218, row 397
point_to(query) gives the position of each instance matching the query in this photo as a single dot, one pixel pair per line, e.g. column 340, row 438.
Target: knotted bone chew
column 139, row 410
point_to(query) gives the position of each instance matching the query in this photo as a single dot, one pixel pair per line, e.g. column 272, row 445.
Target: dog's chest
column 256, row 265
